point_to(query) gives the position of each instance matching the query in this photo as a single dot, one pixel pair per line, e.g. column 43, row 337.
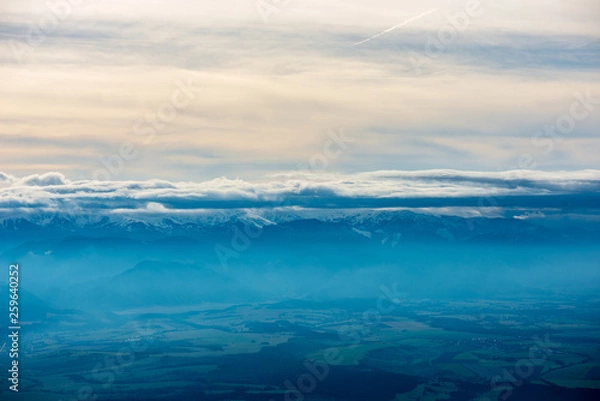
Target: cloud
column 43, row 180
column 576, row 190
column 268, row 92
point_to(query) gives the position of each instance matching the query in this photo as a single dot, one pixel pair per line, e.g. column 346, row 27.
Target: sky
column 188, row 91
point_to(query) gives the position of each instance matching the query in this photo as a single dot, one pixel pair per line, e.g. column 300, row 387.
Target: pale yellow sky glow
column 264, row 95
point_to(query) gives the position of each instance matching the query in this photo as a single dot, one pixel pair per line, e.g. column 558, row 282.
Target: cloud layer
column 569, row 191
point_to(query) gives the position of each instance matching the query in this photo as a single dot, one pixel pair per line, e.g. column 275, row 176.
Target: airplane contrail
column 408, row 21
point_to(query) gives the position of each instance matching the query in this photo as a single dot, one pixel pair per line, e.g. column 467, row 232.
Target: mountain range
column 119, row 261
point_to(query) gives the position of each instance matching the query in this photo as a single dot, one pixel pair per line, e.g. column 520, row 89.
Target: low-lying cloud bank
column 572, row 191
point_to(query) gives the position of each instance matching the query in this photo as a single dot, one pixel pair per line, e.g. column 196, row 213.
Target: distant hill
column 155, row 284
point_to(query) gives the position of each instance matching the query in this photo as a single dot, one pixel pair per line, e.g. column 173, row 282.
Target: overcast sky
column 248, row 93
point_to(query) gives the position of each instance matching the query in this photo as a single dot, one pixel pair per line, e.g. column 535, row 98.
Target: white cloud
column 380, row 189
column 43, row 180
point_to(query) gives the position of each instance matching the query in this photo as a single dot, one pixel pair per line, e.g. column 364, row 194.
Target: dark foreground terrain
column 386, row 348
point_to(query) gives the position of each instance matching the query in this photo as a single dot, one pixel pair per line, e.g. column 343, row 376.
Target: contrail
column 408, row 21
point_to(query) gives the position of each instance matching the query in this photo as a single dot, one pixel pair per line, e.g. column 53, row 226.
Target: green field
column 428, row 350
